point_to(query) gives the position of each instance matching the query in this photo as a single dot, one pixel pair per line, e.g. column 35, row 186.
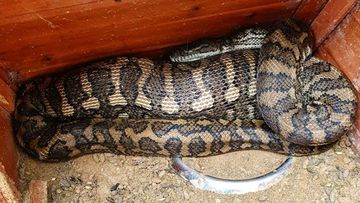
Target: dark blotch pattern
column 173, row 146
column 147, row 144
column 197, row 146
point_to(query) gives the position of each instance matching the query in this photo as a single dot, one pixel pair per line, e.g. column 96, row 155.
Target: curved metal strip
column 226, row 186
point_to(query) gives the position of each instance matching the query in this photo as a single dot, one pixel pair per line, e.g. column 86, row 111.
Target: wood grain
column 309, row 10
column 8, row 153
column 41, row 37
column 343, row 46
column 7, row 97
column 330, row 17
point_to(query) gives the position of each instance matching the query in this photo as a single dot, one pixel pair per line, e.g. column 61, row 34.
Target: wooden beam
column 8, row 152
column 7, row 97
column 330, row 17
column 44, row 36
column 309, row 10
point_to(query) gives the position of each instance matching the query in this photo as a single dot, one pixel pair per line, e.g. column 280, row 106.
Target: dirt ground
column 333, row 176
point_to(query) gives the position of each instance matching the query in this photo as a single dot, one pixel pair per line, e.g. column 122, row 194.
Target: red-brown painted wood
column 7, row 97
column 309, row 9
column 330, row 17
column 343, row 46
column 44, row 36
column 8, row 153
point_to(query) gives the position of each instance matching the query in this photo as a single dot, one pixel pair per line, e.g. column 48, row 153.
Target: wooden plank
column 8, row 153
column 46, row 37
column 10, row 8
column 344, row 47
column 330, row 17
column 309, row 9
column 323, row 53
column 8, row 76
column 7, row 97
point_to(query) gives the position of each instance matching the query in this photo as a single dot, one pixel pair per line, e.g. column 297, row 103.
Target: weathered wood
column 330, row 17
column 7, row 97
column 8, row 154
column 44, row 36
column 309, row 9
column 343, row 46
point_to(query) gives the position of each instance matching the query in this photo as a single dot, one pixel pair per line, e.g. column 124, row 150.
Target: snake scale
column 258, row 89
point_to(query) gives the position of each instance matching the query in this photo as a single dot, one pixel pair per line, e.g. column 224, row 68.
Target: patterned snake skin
column 259, row 89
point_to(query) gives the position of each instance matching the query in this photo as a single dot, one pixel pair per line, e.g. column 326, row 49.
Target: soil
column 333, row 176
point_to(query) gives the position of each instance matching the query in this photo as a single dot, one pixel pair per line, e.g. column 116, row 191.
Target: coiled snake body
column 272, row 94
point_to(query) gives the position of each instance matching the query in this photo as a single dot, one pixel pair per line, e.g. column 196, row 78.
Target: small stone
column 305, row 163
column 75, row 180
column 347, row 142
column 328, row 190
column 117, row 198
column 58, row 191
column 162, row 173
column 313, row 164
column 341, row 143
column 330, row 159
column 53, row 179
column 157, row 180
column 95, row 157
column 315, row 177
column 83, row 192
column 346, row 160
column 162, row 199
column 343, row 199
column 114, row 187
column 236, row 200
column 112, row 160
column 311, row 169
column 338, row 152
column 110, row 200
column 217, row 200
column 64, row 183
column 186, row 195
column 102, row 158
column 332, row 196
column 263, row 198
column 113, row 193
column 88, row 187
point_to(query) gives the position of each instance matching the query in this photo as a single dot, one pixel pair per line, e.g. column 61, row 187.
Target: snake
column 260, row 88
